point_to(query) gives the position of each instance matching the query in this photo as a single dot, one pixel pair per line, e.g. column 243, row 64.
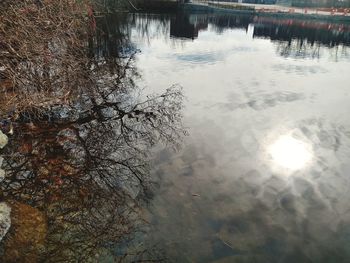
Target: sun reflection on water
column 290, row 153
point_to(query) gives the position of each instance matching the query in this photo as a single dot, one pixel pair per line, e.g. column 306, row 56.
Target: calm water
column 264, row 174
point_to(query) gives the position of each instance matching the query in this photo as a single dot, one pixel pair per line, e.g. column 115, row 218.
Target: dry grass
column 42, row 53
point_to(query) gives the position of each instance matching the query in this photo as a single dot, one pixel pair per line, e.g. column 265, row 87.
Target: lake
column 184, row 137
column 264, row 174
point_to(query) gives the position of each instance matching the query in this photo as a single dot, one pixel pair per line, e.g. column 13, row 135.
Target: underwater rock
column 3, row 140
column 5, row 219
column 27, row 235
column 2, row 175
column 2, row 172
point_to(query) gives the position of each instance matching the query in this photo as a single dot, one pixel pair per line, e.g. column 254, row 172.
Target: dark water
column 264, row 174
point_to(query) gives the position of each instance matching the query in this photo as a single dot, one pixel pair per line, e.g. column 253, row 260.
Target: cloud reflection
column 290, row 153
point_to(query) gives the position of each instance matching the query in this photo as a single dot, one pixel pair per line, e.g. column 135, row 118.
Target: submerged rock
column 2, row 172
column 3, row 140
column 28, row 234
column 2, row 175
column 5, row 219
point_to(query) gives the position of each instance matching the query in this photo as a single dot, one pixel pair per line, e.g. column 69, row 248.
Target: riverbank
column 276, row 11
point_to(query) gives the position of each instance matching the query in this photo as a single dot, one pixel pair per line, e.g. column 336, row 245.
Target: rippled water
column 264, row 174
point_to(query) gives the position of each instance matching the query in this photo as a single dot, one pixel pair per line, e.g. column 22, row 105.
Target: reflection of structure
column 187, row 26
column 229, row 21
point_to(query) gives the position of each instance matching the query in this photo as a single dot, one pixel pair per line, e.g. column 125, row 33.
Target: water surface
column 264, row 174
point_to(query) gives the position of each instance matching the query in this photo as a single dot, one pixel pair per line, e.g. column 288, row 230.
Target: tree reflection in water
column 78, row 175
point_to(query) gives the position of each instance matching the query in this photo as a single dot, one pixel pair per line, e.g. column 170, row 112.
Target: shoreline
column 273, row 11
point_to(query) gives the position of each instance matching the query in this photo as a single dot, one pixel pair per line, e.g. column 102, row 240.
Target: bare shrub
column 42, row 52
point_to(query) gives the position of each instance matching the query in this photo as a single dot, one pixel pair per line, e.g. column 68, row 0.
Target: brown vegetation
column 42, row 46
column 27, row 236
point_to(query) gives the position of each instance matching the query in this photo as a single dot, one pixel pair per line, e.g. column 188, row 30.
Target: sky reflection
column 265, row 169
column 290, row 153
